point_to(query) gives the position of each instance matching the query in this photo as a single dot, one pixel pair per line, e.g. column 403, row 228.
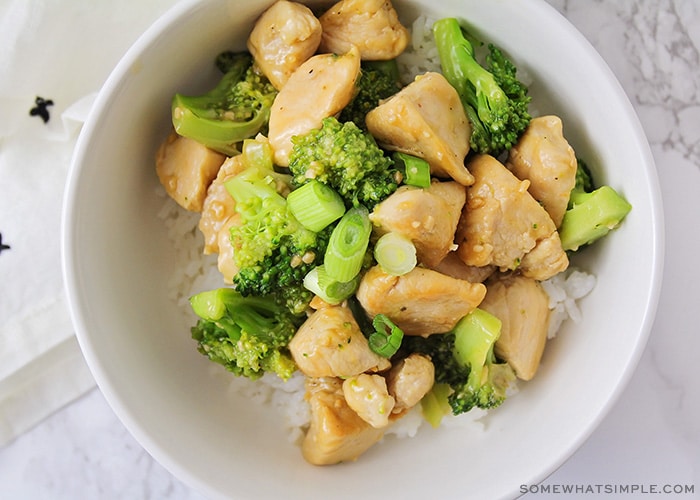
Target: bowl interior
column 117, row 260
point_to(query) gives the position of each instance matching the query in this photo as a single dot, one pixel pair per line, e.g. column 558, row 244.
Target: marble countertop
column 650, row 439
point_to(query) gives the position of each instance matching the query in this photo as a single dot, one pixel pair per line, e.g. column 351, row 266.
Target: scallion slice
column 315, row 205
column 395, row 253
column 330, row 290
column 387, row 338
column 348, row 244
column 416, row 170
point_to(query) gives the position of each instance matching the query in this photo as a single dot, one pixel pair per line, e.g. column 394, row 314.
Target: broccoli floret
column 281, row 274
column 495, row 100
column 247, row 335
column 378, row 80
column 464, row 360
column 592, row 213
column 236, row 109
column 344, row 157
column 273, row 250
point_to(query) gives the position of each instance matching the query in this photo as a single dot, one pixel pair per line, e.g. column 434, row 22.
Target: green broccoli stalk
column 344, row 157
column 495, row 101
column 247, row 335
column 488, row 380
column 273, row 250
column 378, row 80
column 237, row 108
column 592, row 213
column 464, row 360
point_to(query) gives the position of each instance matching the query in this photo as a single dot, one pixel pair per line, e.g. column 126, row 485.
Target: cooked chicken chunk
column 336, row 432
column 453, row 266
column 218, row 205
column 544, row 157
column 426, row 119
column 185, row 168
column 522, row 305
column 501, row 223
column 372, row 26
column 420, row 302
column 225, row 261
column 330, row 344
column 428, row 217
column 369, row 397
column 409, row 380
column 321, row 87
column 286, row 35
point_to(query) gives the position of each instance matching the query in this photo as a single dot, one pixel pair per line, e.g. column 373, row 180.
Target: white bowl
column 117, row 258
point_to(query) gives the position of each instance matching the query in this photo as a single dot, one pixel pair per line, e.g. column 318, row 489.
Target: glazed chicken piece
column 502, row 224
column 286, row 35
column 544, row 157
column 336, row 432
column 426, row 119
column 409, row 380
column 428, row 217
column 321, row 87
column 453, row 266
column 369, row 397
column 185, row 168
column 218, row 205
column 330, row 344
column 225, row 261
column 522, row 305
column 372, row 26
column 420, row 302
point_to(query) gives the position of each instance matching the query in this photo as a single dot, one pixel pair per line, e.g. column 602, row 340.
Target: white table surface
column 649, row 441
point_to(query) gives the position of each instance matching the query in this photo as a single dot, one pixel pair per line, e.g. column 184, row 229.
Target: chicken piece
column 218, row 205
column 426, row 119
column 185, row 168
column 544, row 157
column 284, row 36
column 336, row 432
column 501, row 223
column 409, row 380
column 225, row 260
column 372, row 26
column 369, row 397
column 522, row 305
column 321, row 87
column 330, row 344
column 420, row 302
column 428, row 217
column 453, row 266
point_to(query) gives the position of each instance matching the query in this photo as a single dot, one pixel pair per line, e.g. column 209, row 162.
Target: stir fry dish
column 386, row 239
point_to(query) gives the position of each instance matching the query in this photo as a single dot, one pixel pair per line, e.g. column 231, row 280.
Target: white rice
column 564, row 290
column 194, row 272
column 421, row 54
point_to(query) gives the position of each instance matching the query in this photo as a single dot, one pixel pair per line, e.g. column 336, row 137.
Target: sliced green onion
column 416, row 170
column 315, row 205
column 387, row 337
column 348, row 244
column 330, row 290
column 395, row 253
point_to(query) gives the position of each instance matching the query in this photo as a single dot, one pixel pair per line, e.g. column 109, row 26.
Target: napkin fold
column 55, row 56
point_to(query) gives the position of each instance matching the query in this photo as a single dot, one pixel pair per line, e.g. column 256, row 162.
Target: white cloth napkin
column 63, row 51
